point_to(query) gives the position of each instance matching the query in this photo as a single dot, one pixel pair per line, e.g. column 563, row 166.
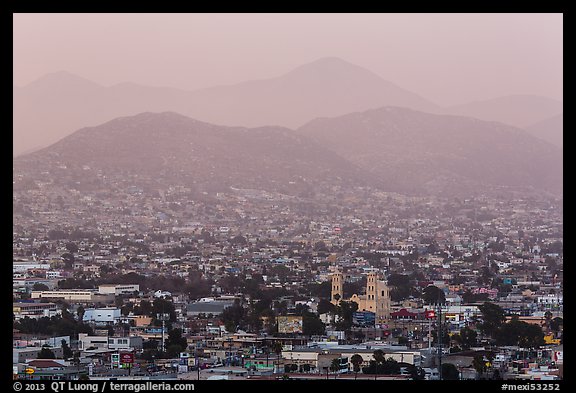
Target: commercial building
column 118, row 289
column 34, row 310
column 74, row 295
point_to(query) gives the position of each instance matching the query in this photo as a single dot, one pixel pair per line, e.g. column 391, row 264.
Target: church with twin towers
column 376, row 299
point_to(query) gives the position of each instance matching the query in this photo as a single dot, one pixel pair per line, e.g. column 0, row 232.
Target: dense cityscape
column 239, row 285
column 301, row 197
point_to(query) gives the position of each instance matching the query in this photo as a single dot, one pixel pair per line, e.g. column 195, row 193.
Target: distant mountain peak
column 62, row 78
column 330, row 64
column 164, row 117
column 331, row 60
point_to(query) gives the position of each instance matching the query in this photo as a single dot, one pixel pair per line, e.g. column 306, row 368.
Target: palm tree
column 335, row 366
column 379, row 356
column 80, row 311
column 548, row 317
column 356, row 361
column 277, row 347
column 479, row 365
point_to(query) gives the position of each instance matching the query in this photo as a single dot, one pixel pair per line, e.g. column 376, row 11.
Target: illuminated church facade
column 376, row 299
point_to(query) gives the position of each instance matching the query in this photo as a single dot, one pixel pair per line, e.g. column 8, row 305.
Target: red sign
column 126, row 357
column 430, row 314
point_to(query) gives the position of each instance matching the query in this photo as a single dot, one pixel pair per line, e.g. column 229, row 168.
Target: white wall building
column 102, row 315
column 118, row 289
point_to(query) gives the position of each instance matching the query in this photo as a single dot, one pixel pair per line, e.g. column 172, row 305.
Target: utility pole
column 439, row 340
column 163, row 317
column 430, row 335
column 197, row 361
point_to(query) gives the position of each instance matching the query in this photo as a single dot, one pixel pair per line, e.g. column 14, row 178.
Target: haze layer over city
column 288, row 196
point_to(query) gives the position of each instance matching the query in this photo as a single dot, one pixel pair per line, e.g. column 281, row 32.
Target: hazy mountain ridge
column 62, row 102
column 550, row 130
column 392, row 149
column 520, row 110
column 412, row 151
column 169, row 148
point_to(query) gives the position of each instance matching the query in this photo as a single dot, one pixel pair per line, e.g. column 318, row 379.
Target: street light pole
column 163, row 317
column 197, row 361
column 439, row 340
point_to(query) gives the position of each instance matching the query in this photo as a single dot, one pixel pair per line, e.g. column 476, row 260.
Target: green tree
column 281, row 307
column 450, row 372
column 312, row 325
column 345, row 310
column 400, row 286
column 321, row 290
column 467, row 338
column 433, row 295
column 46, row 353
column 163, row 306
column 493, row 317
column 320, row 246
column 175, row 343
column 335, row 365
column 57, row 234
column 516, row 332
column 233, row 316
column 479, row 365
column 80, row 311
column 67, row 353
column 239, row 240
column 391, row 367
column 40, row 287
column 281, row 272
column 356, row 361
column 381, row 365
column 71, row 247
column 548, row 317
column 68, row 259
column 277, row 348
column 417, row 373
column 556, row 324
column 379, row 356
column 325, row 306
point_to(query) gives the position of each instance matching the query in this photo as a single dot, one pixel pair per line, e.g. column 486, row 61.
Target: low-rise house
column 35, row 310
column 211, row 307
column 74, row 295
column 118, row 289
column 111, row 343
column 102, row 316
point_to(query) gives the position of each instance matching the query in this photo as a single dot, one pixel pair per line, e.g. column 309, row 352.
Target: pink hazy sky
column 446, row 58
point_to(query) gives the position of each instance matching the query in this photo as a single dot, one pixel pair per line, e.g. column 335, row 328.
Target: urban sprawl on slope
column 250, row 284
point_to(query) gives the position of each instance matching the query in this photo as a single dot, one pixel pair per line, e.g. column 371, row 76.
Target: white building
column 118, row 289
column 102, row 315
column 25, row 266
column 35, row 310
column 51, row 274
column 162, row 294
column 104, row 342
column 550, row 299
column 74, row 295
